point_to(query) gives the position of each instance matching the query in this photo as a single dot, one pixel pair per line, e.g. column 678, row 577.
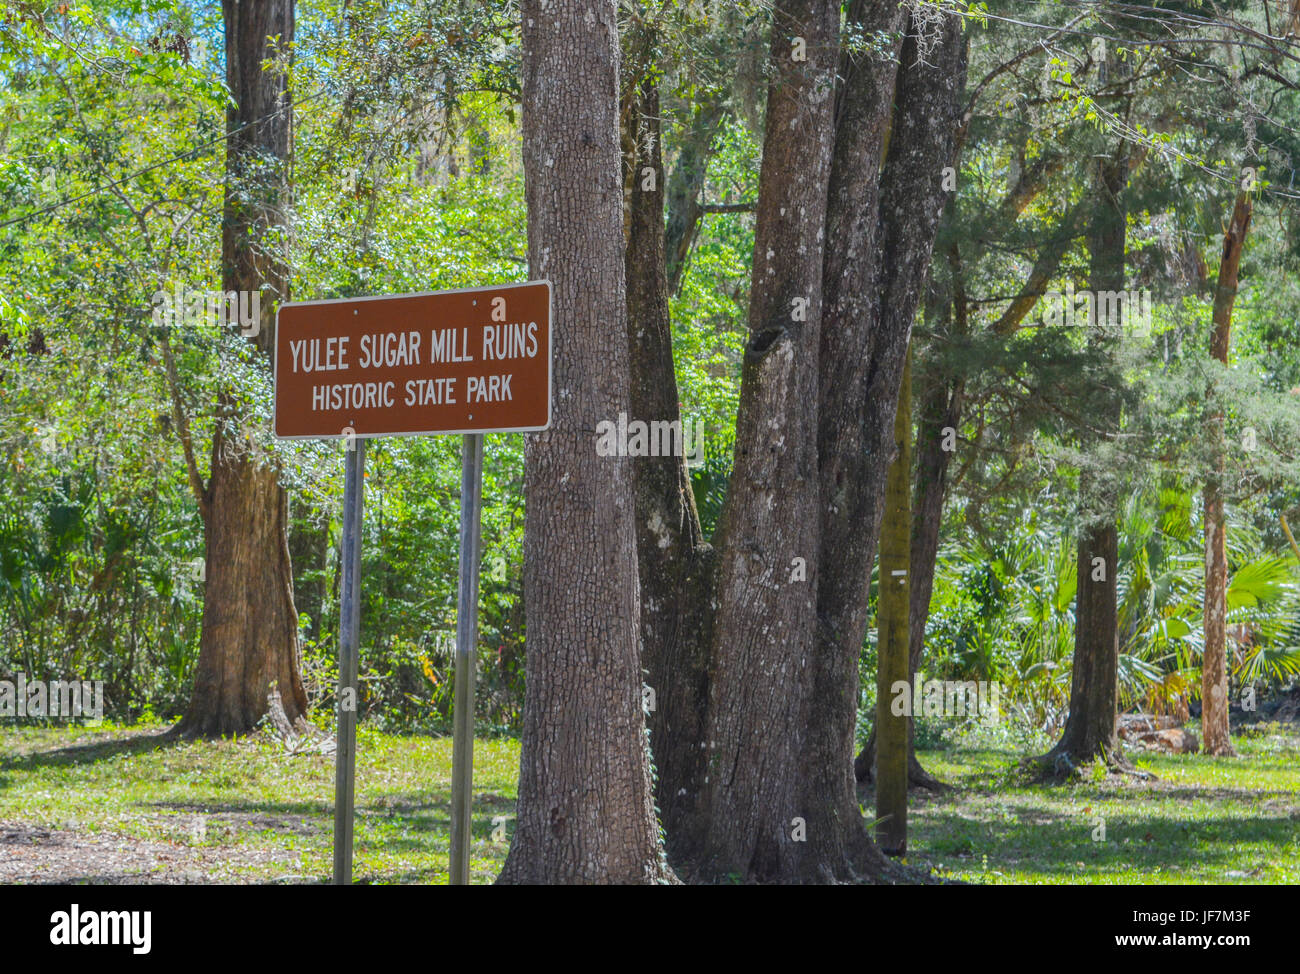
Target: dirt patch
column 39, row 855
column 214, row 819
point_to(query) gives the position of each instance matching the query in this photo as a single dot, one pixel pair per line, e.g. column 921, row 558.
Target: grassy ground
column 1201, row 820
column 121, row 806
column 240, row 810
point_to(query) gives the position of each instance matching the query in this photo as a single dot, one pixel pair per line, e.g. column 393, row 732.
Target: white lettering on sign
column 449, row 345
column 355, row 395
column 395, row 349
column 390, row 349
column 488, row 388
column 308, row 355
column 437, row 392
column 510, row 341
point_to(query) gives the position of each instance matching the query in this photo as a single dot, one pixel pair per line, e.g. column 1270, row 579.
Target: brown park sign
column 471, row 361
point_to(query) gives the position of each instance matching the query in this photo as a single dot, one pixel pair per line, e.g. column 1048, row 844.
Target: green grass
column 252, row 795
column 1201, row 820
column 251, row 812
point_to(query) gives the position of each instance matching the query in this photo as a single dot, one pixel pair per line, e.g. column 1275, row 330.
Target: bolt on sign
column 471, row 361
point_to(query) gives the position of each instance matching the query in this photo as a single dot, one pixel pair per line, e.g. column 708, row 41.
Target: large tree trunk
column 675, row 563
column 892, row 729
column 778, row 801
column 1090, row 727
column 785, row 657
column 847, row 434
column 870, row 307
column 585, row 808
column 1214, row 662
column 768, row 532
column 249, row 639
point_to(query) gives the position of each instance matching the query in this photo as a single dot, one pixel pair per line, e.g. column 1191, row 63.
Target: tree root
column 864, row 769
column 1063, row 762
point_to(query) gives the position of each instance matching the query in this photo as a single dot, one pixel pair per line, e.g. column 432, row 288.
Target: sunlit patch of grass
column 250, row 792
column 1202, row 820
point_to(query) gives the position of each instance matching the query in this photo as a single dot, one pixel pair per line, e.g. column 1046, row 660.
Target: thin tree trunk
column 937, row 425
column 940, row 409
column 675, row 562
column 686, row 187
column 1094, row 684
column 585, row 810
column 309, row 545
column 1214, row 662
column 1045, row 267
column 249, row 639
column 892, row 625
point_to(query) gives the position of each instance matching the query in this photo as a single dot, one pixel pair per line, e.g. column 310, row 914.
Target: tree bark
column 1090, row 727
column 1089, row 731
column 871, row 303
column 675, row 563
column 249, row 639
column 777, row 801
column 585, row 810
column 767, row 533
column 851, row 280
column 1214, row 663
column 892, row 728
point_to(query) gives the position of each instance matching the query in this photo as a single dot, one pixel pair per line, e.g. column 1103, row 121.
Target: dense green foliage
column 407, row 177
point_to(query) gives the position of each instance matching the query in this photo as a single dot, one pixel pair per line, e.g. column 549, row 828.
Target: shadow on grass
column 290, row 818
column 412, row 877
column 412, row 812
column 298, row 809
column 418, row 813
column 136, row 743
column 1055, row 843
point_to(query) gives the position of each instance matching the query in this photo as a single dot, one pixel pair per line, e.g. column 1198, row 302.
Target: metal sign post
column 462, row 749
column 473, row 361
column 345, row 754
